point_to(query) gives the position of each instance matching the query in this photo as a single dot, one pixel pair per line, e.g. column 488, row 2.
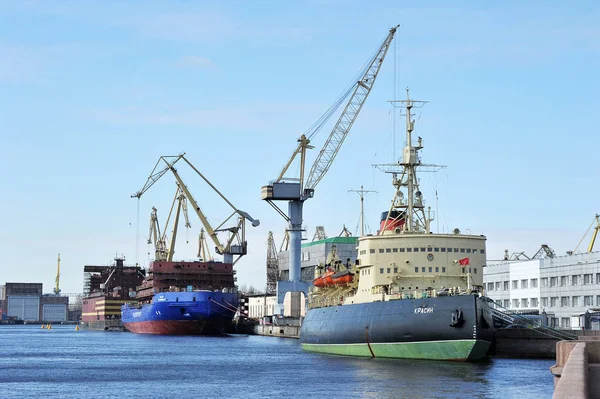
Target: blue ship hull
column 182, row 313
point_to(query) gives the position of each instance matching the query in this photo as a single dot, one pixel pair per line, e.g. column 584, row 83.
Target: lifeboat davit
column 343, row 278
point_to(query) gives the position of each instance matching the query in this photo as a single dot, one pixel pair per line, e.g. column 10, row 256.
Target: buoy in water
column 76, row 328
column 49, row 327
column 43, row 326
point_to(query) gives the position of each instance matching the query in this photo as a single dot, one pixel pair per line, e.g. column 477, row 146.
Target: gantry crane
column 295, row 190
column 57, row 280
column 236, row 244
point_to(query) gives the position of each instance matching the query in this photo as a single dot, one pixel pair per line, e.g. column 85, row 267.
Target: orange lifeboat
column 343, row 278
column 318, row 282
column 328, row 279
column 324, row 280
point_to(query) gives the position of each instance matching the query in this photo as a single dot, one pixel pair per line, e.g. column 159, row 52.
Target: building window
column 554, row 322
column 534, row 302
column 482, row 251
column 381, row 270
column 587, row 279
column 443, row 270
column 436, row 250
column 462, row 250
column 401, row 249
column 395, row 250
column 534, row 283
column 499, row 302
column 423, row 269
column 597, row 300
column 416, row 250
column 450, row 249
column 468, row 250
column 463, row 270
column 524, row 284
column 597, row 278
column 475, row 270
column 545, row 282
column 437, row 269
column 380, row 250
column 388, row 250
column 575, row 279
column 395, row 270
column 425, row 250
column 564, row 301
column 430, row 270
column 506, row 303
column 515, row 303
column 564, row 280
column 490, row 286
column 588, row 300
column 544, row 302
column 372, row 251
column 553, row 281
column 524, row 302
column 408, row 249
column 565, row 322
column 515, row 284
column 497, row 285
column 575, row 301
column 553, row 301
column 389, row 270
column 443, row 249
column 416, row 270
column 506, row 286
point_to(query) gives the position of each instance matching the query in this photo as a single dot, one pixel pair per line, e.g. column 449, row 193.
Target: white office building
column 564, row 287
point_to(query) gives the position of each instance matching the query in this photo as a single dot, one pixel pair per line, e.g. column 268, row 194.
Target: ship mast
column 404, row 174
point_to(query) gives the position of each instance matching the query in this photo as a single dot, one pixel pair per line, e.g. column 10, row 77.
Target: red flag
column 463, row 261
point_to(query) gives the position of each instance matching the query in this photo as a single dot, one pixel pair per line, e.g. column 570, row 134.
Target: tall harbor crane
column 163, row 251
column 594, row 234
column 203, row 250
column 272, row 265
column 294, row 189
column 57, row 280
column 236, row 244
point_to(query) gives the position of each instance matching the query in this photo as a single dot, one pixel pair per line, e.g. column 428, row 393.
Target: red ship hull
column 177, row 327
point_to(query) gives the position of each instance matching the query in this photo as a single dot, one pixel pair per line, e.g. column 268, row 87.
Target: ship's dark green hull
column 411, row 329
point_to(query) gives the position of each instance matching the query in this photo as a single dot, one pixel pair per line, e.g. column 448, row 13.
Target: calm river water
column 64, row 363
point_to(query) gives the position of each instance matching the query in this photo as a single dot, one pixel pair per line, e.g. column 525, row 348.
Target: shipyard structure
column 25, row 302
column 563, row 290
column 313, row 255
column 106, row 289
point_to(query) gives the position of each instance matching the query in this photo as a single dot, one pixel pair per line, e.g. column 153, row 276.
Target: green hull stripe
column 466, row 349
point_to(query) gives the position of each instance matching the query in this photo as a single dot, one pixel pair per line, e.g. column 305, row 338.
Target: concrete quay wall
column 577, row 369
column 529, row 343
column 277, row 331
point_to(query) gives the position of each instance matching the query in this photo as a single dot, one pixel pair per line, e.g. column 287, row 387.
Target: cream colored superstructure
column 411, row 264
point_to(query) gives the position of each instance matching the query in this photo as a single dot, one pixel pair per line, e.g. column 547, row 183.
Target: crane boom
column 348, row 116
column 227, row 250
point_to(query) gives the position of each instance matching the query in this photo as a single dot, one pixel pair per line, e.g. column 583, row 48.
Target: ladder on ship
column 504, row 318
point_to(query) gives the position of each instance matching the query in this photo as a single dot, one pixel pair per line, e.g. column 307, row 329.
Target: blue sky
column 92, row 93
